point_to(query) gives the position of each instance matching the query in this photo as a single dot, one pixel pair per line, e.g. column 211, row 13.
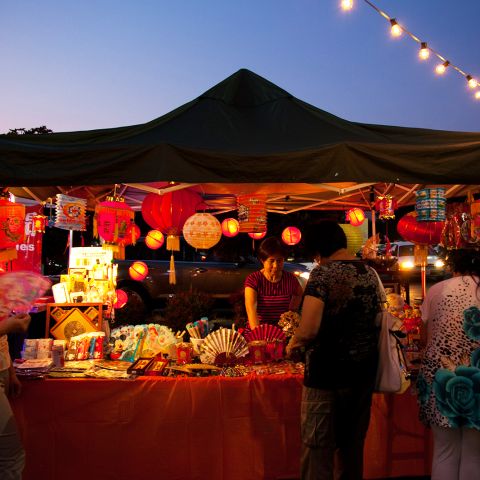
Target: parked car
column 220, row 280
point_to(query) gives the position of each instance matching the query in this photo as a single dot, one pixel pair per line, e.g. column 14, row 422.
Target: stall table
column 215, row 428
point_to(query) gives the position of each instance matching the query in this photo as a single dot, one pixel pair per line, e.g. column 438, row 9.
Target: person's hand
column 14, row 385
column 16, row 323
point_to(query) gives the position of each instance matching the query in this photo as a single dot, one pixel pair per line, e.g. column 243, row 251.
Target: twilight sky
column 83, row 65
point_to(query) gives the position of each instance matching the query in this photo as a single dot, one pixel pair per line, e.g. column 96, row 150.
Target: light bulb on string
column 472, row 83
column 424, row 51
column 441, row 67
column 347, row 5
column 396, row 30
column 477, row 95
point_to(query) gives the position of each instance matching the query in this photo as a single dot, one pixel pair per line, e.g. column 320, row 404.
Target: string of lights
column 424, row 52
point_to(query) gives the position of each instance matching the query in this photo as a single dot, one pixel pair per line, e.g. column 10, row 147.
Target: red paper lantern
column 356, row 216
column 138, row 271
column 132, row 234
column 154, row 239
column 386, row 205
column 230, row 227
column 257, row 235
column 111, row 222
column 252, row 213
column 121, row 298
column 12, row 227
column 423, row 233
column 38, row 223
column 291, row 235
column 168, row 213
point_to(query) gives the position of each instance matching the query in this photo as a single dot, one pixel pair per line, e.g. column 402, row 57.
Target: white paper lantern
column 202, row 231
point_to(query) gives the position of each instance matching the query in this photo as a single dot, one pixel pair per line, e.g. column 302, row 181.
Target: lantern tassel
column 173, row 243
column 172, row 279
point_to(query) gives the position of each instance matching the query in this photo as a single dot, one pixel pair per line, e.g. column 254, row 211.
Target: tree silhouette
column 29, row 131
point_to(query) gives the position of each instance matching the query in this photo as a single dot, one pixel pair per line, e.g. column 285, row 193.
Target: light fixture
column 477, row 95
column 347, row 4
column 441, row 67
column 472, row 83
column 424, row 51
column 396, row 30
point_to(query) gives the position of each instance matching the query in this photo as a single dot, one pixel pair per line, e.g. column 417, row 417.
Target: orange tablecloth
column 194, row 428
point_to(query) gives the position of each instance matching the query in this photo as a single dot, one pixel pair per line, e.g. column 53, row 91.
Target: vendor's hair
column 324, row 238
column 466, row 262
column 271, row 247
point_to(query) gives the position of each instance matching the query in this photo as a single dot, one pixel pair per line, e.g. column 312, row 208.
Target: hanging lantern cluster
column 430, row 204
column 252, row 213
column 154, row 239
column 230, row 227
column 114, row 223
column 291, row 235
column 386, row 205
column 202, row 231
column 70, row 213
column 356, row 216
column 12, row 226
column 168, row 213
column 423, row 233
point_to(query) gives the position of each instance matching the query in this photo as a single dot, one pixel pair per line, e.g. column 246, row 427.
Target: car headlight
column 439, row 263
column 406, row 265
column 305, row 275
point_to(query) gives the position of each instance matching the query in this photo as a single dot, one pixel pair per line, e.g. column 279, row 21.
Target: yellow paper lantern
column 202, row 230
column 230, row 227
column 138, row 271
column 154, row 239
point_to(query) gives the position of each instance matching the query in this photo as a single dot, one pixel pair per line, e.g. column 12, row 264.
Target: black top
column 344, row 352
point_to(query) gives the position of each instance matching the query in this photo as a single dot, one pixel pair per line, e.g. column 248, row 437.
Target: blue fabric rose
column 471, row 323
column 475, row 358
column 457, row 395
column 423, row 389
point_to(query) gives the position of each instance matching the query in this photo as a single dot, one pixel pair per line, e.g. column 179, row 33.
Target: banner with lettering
column 70, row 213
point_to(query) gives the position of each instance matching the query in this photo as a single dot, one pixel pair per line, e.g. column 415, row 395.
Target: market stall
column 195, row 428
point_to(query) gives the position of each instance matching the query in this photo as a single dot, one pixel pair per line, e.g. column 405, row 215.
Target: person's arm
column 296, row 299
column 15, row 324
column 310, row 321
column 14, row 385
column 251, row 307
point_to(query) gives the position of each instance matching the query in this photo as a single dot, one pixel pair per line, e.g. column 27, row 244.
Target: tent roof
column 244, row 135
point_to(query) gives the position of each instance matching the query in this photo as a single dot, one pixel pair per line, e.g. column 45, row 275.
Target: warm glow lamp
column 395, row 30
column 356, row 216
column 442, row 67
column 424, row 51
column 257, row 235
column 154, row 239
column 230, row 227
column 291, row 235
column 138, row 271
column 121, row 298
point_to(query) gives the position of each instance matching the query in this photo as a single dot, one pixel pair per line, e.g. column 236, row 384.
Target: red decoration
column 386, row 205
column 291, row 235
column 230, row 227
column 138, row 271
column 356, row 216
column 168, row 213
column 12, row 227
column 257, row 235
column 38, row 223
column 252, row 213
column 154, row 239
column 122, row 298
column 423, row 233
column 132, row 235
column 112, row 221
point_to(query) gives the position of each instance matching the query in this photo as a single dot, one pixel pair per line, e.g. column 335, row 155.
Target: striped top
column 273, row 298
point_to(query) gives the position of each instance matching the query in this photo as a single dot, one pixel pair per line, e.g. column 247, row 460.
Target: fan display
column 223, row 347
column 266, row 332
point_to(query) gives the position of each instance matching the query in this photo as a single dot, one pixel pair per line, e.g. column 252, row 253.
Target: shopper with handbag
column 339, row 333
column 448, row 383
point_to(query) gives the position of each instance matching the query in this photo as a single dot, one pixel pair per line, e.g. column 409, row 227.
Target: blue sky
column 82, row 65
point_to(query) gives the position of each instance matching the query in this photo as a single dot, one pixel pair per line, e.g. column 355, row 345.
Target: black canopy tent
column 245, row 134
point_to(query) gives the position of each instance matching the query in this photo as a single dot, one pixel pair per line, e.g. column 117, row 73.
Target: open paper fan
column 19, row 290
column 265, row 332
column 223, row 347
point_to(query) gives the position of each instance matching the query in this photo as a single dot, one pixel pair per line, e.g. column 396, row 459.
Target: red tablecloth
column 194, row 428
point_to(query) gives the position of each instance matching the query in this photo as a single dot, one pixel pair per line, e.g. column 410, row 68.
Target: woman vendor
column 271, row 291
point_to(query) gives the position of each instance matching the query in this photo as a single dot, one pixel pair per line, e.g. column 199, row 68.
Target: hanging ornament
column 121, row 298
column 202, row 231
column 131, row 236
column 386, row 205
column 154, row 239
column 356, row 216
column 168, row 213
column 111, row 222
column 12, row 226
column 257, row 235
column 430, row 204
column 39, row 222
column 423, row 233
column 252, row 213
column 138, row 271
column 70, row 213
column 291, row 235
column 230, row 227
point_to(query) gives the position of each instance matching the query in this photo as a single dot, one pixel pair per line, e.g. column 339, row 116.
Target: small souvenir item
column 224, row 347
column 257, row 351
column 139, row 367
column 184, row 353
column 156, row 367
